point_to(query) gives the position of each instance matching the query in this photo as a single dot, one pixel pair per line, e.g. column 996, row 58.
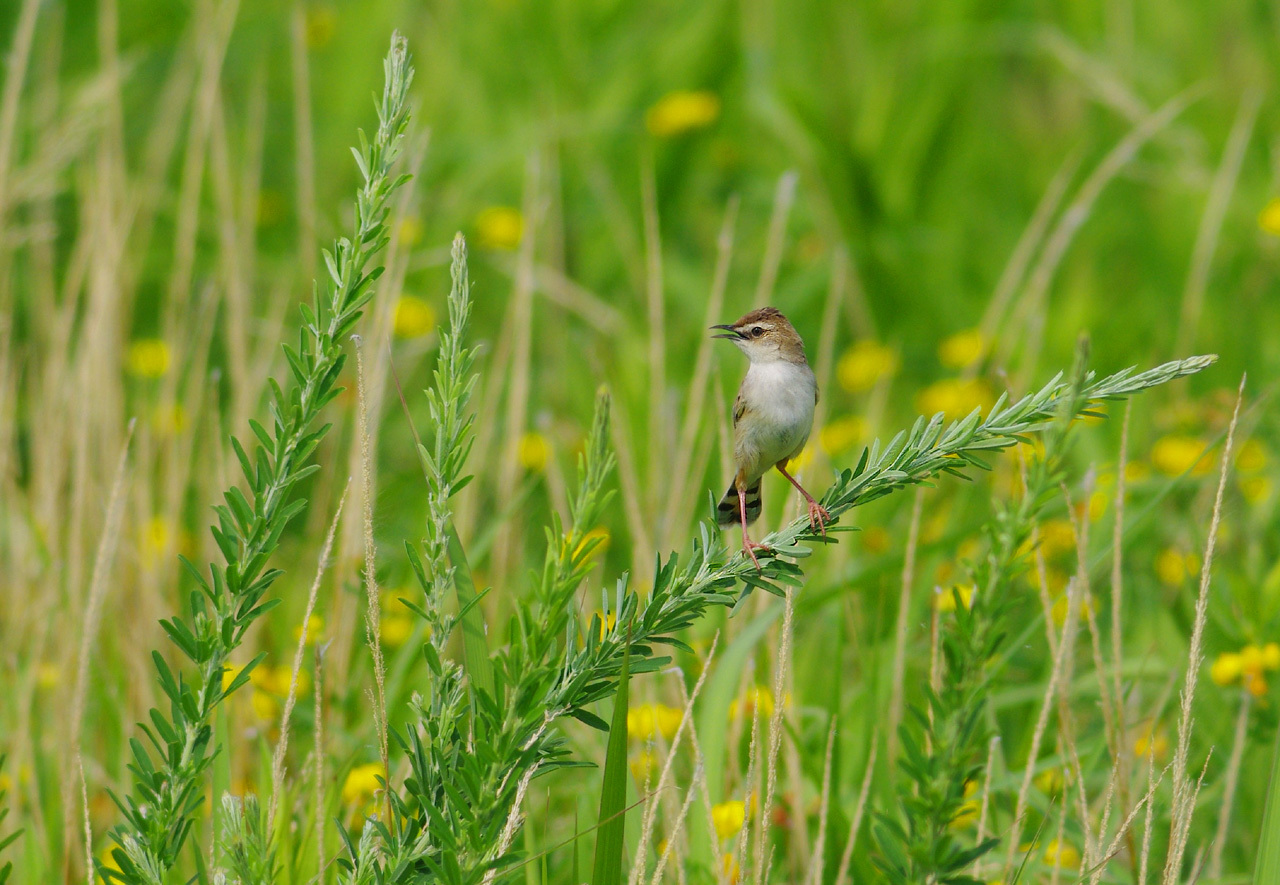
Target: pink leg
column 748, row 546
column 818, row 515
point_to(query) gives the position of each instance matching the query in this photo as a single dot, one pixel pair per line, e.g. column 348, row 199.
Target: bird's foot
column 750, row 547
column 818, row 517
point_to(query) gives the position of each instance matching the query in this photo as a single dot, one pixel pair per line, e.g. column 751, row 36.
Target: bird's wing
column 739, row 408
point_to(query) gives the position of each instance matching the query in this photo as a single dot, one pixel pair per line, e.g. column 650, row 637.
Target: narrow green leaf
column 612, row 820
column 475, row 645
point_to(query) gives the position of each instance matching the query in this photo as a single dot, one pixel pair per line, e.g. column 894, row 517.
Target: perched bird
column 772, row 417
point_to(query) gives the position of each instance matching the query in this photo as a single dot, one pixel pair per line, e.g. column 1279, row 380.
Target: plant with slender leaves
column 169, row 769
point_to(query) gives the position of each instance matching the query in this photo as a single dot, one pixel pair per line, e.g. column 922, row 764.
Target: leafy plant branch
column 169, row 769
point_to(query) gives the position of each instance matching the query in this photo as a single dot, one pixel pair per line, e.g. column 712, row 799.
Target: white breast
column 779, row 398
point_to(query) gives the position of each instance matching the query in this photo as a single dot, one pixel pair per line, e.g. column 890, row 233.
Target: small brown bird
column 772, row 417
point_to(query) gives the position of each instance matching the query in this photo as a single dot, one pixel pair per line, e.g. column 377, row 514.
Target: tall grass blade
column 612, row 819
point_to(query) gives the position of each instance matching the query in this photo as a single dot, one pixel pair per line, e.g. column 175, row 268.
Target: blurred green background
column 941, row 196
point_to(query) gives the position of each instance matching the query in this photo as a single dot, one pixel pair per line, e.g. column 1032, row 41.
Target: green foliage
column 611, row 821
column 5, row 841
column 943, row 744
column 169, row 774
column 246, row 840
column 1267, row 866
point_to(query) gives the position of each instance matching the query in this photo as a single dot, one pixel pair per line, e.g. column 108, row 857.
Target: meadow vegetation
column 433, row 592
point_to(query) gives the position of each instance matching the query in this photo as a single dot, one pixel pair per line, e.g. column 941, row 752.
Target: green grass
column 882, row 174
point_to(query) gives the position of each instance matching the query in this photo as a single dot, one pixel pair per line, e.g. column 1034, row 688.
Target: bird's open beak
column 731, row 333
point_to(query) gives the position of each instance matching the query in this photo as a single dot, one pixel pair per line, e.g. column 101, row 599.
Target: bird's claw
column 750, row 547
column 818, row 517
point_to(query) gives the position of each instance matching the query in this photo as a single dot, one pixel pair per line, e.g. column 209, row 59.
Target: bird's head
column 765, row 336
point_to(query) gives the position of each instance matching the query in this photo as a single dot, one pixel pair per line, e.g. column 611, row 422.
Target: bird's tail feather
column 727, row 512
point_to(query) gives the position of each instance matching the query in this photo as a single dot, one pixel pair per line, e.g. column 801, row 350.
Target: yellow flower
column 1059, row 610
column 168, row 420
column 728, row 817
column 802, row 460
column 395, row 627
column 1255, row 489
column 1255, row 684
column 1271, row 656
column 1064, row 855
column 644, row 766
column 963, row 349
column 315, row 629
column 322, row 24
column 1051, row 781
column 156, row 541
column 875, row 539
column 1098, row 502
column 229, row 673
column 729, row 867
column 1152, row 741
column 1269, row 218
column 276, row 680
column 682, row 111
column 1175, row 455
column 410, row 230
column 1056, row 538
column 864, row 364
column 646, row 722
column 1252, row 457
column 842, row 434
column 414, row 317
column 599, row 532
column 968, row 812
column 362, row 783
column 1226, row 668
column 265, row 706
column 1173, row 566
column 954, row 397
column 533, row 452
column 945, row 600
column 500, row 227
column 757, row 698
column 48, row 675
column 148, row 358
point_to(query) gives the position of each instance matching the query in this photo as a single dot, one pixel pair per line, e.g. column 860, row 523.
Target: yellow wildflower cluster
column 1173, row 567
column 314, row 630
column 963, row 349
column 864, row 364
column 1060, row 607
column 148, row 358
column 362, row 783
column 1269, row 217
column 500, row 227
column 1251, row 461
column 728, row 817
column 756, row 699
column 414, row 317
column 682, row 111
column 1152, row 740
column 954, row 397
column 396, row 623
column 646, row 722
column 1175, row 455
column 533, row 452
column 644, row 766
column 842, row 434
column 944, row 598
column 1247, row 667
column 969, row 810
column 1062, row 854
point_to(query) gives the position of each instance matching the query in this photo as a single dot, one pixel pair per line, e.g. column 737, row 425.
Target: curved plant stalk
column 169, row 769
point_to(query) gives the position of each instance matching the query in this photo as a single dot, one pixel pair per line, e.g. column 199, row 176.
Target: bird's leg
column 818, row 515
column 749, row 546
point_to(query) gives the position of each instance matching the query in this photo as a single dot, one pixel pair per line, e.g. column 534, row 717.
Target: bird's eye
column 757, row 331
